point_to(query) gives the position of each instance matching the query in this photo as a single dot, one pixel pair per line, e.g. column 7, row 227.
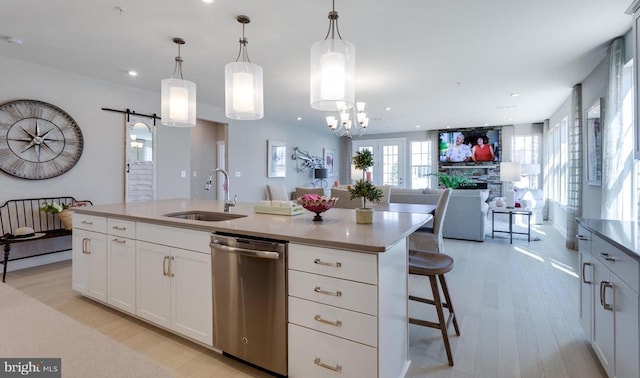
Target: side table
column 511, row 212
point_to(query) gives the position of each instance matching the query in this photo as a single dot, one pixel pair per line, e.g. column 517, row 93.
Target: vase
column 364, row 215
column 66, row 217
column 499, row 202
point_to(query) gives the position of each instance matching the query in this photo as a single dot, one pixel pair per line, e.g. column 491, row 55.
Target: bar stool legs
column 435, row 265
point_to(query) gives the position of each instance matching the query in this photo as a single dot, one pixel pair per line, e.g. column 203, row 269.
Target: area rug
column 503, row 225
column 32, row 330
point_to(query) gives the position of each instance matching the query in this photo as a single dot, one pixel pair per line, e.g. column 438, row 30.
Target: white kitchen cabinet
column 89, row 254
column 347, row 312
column 173, row 286
column 613, row 329
column 586, row 281
column 121, row 265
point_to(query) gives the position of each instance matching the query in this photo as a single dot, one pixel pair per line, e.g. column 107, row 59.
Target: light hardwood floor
column 517, row 307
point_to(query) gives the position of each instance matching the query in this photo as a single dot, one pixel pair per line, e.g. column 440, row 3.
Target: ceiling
column 434, row 63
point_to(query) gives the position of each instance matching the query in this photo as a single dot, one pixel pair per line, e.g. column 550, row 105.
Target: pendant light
column 333, row 70
column 243, row 84
column 178, row 97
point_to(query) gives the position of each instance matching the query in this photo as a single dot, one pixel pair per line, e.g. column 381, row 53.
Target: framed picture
column 594, row 143
column 276, row 159
column 329, row 161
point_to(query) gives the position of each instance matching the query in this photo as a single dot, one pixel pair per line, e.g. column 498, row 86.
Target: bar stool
column 434, row 265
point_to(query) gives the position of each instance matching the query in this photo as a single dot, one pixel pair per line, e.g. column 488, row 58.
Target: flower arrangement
column 317, row 204
column 52, row 207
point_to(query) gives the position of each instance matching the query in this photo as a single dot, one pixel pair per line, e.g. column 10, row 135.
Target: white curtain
column 617, row 146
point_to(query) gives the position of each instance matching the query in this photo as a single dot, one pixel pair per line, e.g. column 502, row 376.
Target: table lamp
column 509, row 173
column 321, row 174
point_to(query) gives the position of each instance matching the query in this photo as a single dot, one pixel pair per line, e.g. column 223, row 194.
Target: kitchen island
column 157, row 268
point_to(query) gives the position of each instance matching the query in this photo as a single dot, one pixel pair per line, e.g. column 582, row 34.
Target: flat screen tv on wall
column 470, row 146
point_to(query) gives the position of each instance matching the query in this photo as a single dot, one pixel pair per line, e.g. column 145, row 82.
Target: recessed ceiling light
column 132, row 73
column 387, row 108
column 207, row 1
column 299, row 118
column 417, row 126
column 509, row 119
column 514, row 94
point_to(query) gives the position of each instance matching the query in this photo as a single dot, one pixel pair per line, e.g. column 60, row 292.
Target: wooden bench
column 18, row 213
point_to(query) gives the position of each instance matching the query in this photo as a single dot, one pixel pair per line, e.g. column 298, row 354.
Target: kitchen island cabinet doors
column 89, row 244
column 586, row 281
column 173, row 289
column 121, row 264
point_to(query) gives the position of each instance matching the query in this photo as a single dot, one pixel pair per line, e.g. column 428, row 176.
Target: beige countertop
column 337, row 230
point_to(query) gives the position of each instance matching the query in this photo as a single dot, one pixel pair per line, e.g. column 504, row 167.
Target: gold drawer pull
column 337, row 293
column 336, row 368
column 337, row 264
column 337, row 323
column 86, row 222
column 119, row 241
column 119, row 228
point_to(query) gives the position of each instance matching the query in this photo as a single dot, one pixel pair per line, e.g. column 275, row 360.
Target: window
column 421, row 164
column 388, row 158
column 526, row 150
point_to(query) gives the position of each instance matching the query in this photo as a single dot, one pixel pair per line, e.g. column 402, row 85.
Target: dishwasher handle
column 215, row 244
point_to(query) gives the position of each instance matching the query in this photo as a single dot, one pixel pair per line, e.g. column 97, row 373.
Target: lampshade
column 333, row 62
column 243, row 84
column 509, row 172
column 320, row 173
column 178, row 97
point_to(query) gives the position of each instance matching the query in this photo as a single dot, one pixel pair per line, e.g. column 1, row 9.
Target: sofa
column 466, row 216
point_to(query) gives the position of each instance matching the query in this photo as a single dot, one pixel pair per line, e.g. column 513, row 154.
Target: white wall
column 98, row 176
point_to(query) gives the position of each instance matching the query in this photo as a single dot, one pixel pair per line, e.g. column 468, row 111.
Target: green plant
column 367, row 191
column 453, row 180
column 363, row 160
column 52, row 207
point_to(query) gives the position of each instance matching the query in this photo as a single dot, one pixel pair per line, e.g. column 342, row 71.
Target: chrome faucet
column 227, row 201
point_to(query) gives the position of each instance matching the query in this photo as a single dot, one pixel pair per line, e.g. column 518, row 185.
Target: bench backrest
column 26, row 213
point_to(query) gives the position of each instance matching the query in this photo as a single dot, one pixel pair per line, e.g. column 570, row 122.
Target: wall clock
column 37, row 140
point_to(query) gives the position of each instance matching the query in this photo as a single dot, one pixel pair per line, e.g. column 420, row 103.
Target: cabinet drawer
column 362, row 267
column 351, row 295
column 316, row 354
column 174, row 237
column 90, row 222
column 620, row 264
column 122, row 228
column 584, row 239
column 333, row 320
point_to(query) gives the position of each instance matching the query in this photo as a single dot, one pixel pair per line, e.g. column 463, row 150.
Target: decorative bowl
column 317, row 204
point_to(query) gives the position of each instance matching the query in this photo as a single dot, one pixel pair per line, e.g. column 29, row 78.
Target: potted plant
column 62, row 211
column 454, row 180
column 364, row 189
column 367, row 191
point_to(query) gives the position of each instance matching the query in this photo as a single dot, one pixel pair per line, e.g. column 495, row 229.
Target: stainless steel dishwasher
column 250, row 299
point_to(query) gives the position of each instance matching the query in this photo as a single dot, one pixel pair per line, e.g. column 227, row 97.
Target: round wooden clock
column 37, row 140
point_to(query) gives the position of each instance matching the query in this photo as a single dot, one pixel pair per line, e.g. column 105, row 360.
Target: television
column 469, row 146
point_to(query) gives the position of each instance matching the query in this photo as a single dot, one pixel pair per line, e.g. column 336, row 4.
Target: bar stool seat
column 435, row 265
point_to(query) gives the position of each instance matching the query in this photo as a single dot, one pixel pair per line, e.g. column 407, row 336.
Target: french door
column 388, row 158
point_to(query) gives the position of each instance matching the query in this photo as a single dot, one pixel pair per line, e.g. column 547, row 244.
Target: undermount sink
column 207, row 216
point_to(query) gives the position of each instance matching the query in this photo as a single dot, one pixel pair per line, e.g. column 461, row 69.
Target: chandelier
column 243, row 84
column 345, row 126
column 332, row 70
column 178, row 96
